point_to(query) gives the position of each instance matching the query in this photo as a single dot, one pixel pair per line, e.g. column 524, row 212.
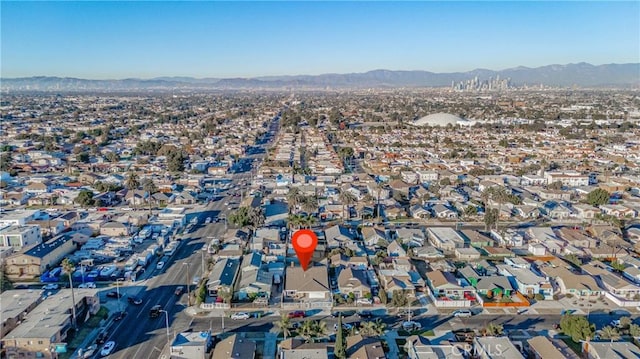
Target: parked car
column 411, row 325
column 107, row 348
column 135, row 300
column 51, row 286
column 160, row 265
column 208, row 220
column 240, row 316
column 179, row 290
column 296, row 314
column 462, row 313
column 196, row 280
column 87, row 285
column 343, row 313
column 363, row 301
column 114, row 294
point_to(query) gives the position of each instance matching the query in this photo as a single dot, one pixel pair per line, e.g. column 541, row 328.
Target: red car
column 296, row 314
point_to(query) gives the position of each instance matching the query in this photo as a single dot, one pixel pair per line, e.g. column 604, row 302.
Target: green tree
column 557, row 185
column 6, row 161
column 294, row 198
column 382, row 294
column 470, row 211
column 598, row 197
column 132, row 182
column 112, row 157
column 503, row 142
column 5, row 283
column 374, row 328
column 150, row 188
column 634, row 330
column 610, row 333
column 399, row 299
column 625, row 322
column 493, row 330
column 571, row 257
column 284, row 325
column 226, row 295
column 85, row 198
column 577, row 327
column 490, row 217
column 340, row 349
column 83, row 157
column 618, row 266
column 175, row 161
column 347, row 199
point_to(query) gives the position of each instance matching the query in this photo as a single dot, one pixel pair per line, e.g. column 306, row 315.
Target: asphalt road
column 440, row 322
column 137, row 335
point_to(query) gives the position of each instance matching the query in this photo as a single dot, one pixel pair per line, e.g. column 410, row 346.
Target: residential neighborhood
column 172, row 216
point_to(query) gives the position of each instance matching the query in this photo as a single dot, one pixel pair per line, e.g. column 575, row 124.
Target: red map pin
column 304, row 242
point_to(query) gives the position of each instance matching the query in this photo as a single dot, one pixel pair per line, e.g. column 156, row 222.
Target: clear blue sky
column 223, row 39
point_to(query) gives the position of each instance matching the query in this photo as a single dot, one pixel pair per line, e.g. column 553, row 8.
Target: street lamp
column 188, row 291
column 118, row 292
column 166, row 321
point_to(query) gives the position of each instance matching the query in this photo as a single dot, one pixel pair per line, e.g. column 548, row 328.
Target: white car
column 51, row 286
column 87, row 285
column 615, row 323
column 160, row 265
column 240, row 316
column 208, row 220
column 411, row 325
column 107, row 348
column 89, row 352
column 464, row 313
column 363, row 301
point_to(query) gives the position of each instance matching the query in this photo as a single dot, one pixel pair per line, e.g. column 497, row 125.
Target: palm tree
column 347, row 198
column 307, row 331
column 149, row 187
column 69, row 268
column 226, row 295
column 294, row 197
column 493, row 330
column 132, row 182
column 309, row 204
column 284, row 325
column 610, row 333
column 372, row 328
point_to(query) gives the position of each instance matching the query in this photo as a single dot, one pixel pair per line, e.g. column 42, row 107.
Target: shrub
column 539, row 296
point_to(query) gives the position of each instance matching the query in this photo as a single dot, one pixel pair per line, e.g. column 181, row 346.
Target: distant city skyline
column 114, row 40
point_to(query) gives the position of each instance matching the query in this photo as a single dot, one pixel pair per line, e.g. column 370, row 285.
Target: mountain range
column 582, row 75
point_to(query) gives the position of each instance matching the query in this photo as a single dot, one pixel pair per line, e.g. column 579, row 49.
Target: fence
column 523, row 302
column 449, row 303
column 212, row 306
column 621, row 302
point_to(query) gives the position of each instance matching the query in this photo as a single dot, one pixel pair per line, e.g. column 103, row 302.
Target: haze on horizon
column 113, row 40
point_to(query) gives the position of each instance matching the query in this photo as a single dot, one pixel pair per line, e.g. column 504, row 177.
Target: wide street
column 138, row 335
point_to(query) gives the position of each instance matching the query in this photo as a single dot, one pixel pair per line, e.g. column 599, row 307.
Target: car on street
column 89, row 352
column 51, row 286
column 114, row 294
column 462, row 313
column 240, row 316
column 154, row 312
column 160, row 265
column 87, row 285
column 107, row 348
column 102, row 337
column 296, row 314
column 411, row 325
column 135, row 300
column 196, row 280
column 120, row 316
column 343, row 313
column 208, row 220
column 179, row 290
column 615, row 323
column 365, row 314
